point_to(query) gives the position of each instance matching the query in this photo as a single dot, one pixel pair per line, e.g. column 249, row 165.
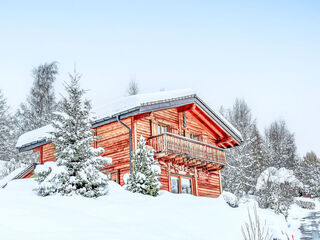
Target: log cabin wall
column 184, row 124
column 114, row 138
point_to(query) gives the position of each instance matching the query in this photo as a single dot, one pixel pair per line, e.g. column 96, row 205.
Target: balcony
column 188, row 151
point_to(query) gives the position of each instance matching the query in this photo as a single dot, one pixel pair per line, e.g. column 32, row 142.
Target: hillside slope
column 122, row 215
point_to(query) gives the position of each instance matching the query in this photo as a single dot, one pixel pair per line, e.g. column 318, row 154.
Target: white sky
column 266, row 53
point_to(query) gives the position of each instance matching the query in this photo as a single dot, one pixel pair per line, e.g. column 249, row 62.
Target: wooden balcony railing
column 168, row 143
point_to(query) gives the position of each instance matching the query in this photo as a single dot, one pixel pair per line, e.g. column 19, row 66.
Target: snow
column 34, row 135
column 123, row 215
column 119, row 105
column 10, row 176
column 230, row 198
column 126, row 103
column 278, row 176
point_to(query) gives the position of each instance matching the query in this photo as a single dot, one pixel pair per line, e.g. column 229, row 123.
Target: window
column 175, row 187
column 113, row 176
column 162, row 129
column 186, row 186
column 194, row 136
column 181, row 184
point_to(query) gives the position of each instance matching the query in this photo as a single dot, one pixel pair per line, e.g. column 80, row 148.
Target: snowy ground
column 122, row 215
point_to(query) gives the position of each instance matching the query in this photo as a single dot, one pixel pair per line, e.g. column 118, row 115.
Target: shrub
column 276, row 189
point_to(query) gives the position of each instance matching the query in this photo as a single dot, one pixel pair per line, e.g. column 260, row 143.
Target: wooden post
column 196, row 181
column 169, row 178
column 220, row 181
column 41, row 155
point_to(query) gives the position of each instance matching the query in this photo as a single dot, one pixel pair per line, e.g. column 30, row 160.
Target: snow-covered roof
column 127, row 104
column 34, row 136
column 10, row 176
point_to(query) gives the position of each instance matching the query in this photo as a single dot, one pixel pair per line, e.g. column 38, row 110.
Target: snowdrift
column 123, row 215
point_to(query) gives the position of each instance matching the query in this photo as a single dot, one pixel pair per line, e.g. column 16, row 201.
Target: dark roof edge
column 32, row 145
column 220, row 121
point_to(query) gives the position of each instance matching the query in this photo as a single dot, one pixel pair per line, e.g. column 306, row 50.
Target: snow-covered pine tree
column 37, row 111
column 8, row 153
column 281, row 147
column 309, row 173
column 78, row 164
column 144, row 178
column 244, row 163
column 7, row 150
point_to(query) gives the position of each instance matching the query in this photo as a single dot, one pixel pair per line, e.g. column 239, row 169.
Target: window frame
column 179, row 176
column 161, row 126
column 192, row 135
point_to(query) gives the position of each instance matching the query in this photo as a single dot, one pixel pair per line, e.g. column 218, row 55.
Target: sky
column 265, row 52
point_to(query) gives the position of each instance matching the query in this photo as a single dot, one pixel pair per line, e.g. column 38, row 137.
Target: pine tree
column 244, row 163
column 281, row 147
column 78, row 164
column 37, row 111
column 309, row 173
column 144, row 178
column 8, row 153
column 7, row 150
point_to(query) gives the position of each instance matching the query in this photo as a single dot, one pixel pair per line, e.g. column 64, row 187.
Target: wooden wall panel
column 114, row 138
column 209, row 184
column 48, row 151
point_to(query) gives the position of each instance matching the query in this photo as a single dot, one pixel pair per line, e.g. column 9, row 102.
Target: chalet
column 189, row 139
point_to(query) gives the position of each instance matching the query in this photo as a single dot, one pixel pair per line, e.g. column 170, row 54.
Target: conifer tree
column 309, row 174
column 280, row 146
column 37, row 111
column 144, row 178
column 78, row 164
column 8, row 153
column 6, row 133
column 244, row 163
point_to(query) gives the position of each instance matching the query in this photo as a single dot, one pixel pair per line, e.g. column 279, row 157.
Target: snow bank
column 34, row 135
column 122, row 215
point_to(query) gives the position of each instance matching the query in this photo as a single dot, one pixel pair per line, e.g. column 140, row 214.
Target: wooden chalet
column 189, row 139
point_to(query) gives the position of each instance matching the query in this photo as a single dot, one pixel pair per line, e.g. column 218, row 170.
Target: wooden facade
column 188, row 143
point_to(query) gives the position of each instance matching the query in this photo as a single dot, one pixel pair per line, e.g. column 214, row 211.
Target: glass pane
column 186, row 185
column 164, row 129
column 174, row 185
column 159, row 129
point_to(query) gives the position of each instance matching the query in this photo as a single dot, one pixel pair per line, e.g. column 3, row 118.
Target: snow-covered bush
column 305, row 204
column 78, row 164
column 231, row 199
column 144, row 178
column 276, row 189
